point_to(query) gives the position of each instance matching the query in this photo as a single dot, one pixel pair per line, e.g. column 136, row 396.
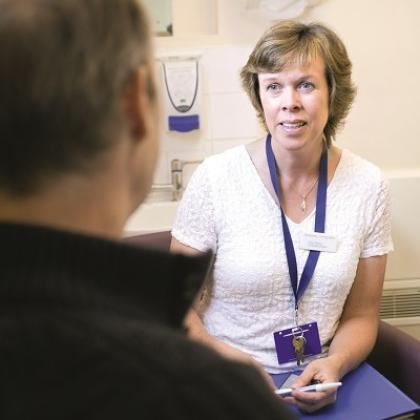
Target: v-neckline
column 272, row 196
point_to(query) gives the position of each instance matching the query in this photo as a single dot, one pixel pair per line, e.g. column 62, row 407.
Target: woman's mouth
column 292, row 124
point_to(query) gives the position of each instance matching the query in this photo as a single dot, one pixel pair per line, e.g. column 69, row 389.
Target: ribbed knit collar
column 41, row 264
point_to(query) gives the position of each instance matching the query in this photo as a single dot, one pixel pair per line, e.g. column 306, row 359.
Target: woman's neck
column 298, row 164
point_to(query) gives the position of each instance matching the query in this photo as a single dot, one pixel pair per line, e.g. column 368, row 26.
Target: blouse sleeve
column 378, row 238
column 194, row 223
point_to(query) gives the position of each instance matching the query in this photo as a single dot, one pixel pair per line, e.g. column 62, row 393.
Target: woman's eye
column 306, row 86
column 273, row 87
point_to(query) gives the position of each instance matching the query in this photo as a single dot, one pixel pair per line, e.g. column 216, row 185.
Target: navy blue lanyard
column 321, row 201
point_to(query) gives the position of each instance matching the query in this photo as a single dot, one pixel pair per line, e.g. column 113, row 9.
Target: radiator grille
column 402, row 303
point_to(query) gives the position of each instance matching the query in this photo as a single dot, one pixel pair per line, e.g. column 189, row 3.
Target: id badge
column 316, row 241
column 284, row 347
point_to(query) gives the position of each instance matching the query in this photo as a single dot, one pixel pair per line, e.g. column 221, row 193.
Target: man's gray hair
column 63, row 67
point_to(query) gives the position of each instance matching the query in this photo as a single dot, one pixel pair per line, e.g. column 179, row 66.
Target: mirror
column 161, row 14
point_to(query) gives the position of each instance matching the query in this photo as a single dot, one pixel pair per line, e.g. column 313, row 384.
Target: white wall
column 382, row 38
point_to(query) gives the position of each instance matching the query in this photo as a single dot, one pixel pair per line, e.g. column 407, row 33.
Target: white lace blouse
column 227, row 208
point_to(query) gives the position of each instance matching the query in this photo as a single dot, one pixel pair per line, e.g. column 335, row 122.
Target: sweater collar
column 66, row 268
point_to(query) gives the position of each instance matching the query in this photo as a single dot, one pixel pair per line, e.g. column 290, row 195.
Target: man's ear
column 136, row 103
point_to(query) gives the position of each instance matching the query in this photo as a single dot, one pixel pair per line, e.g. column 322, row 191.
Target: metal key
column 299, row 346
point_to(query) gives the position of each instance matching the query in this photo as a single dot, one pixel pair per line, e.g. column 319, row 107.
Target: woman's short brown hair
column 290, row 41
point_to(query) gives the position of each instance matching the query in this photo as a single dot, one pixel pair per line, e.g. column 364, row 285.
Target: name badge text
column 315, row 241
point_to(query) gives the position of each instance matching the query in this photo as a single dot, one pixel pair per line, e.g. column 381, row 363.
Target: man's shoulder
column 184, row 372
column 127, row 366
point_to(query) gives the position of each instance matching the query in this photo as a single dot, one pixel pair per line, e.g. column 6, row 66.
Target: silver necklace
column 302, row 205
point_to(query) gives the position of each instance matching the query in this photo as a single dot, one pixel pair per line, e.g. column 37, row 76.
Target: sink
column 151, row 217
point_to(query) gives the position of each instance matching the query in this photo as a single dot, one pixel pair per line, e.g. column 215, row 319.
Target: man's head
column 70, row 74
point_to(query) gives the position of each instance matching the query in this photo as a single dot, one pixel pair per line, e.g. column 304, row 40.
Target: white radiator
column 400, row 305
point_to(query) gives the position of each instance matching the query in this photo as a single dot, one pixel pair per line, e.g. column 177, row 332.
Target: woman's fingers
column 312, row 401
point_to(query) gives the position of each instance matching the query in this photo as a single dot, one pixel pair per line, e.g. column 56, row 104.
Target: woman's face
column 295, row 104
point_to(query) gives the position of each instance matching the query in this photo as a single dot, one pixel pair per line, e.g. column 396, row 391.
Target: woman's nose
column 290, row 100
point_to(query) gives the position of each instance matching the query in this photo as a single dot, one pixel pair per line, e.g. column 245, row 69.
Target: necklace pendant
column 303, row 205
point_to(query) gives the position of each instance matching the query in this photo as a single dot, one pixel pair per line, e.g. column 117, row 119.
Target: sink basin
column 151, row 217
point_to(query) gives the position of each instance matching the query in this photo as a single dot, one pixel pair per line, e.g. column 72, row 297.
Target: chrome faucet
column 176, row 185
column 176, row 178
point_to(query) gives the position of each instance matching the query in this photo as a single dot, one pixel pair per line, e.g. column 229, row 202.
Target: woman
column 300, row 227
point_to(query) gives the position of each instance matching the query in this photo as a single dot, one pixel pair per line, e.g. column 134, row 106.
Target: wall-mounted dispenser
column 180, row 85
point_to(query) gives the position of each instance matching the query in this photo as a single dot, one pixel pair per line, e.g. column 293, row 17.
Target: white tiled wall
column 227, row 118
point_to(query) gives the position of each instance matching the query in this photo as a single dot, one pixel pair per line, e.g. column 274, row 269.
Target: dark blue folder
column 364, row 395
